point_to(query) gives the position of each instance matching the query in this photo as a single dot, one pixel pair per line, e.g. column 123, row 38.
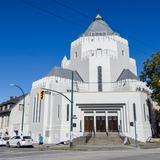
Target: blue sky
column 33, row 42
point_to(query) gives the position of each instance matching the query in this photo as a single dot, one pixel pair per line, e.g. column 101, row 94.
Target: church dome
column 98, row 28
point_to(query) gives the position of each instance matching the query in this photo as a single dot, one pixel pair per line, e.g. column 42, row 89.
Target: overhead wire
column 89, row 17
column 71, row 21
column 50, row 13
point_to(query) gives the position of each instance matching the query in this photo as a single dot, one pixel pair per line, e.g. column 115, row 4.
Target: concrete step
column 79, row 140
column 104, row 139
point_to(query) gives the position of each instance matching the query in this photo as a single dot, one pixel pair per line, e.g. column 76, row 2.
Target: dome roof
column 98, row 28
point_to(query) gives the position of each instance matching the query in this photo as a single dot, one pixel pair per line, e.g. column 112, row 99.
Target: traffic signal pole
column 71, row 101
column 71, row 127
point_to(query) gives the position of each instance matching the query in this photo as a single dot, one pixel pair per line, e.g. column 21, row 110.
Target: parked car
column 20, row 141
column 3, row 141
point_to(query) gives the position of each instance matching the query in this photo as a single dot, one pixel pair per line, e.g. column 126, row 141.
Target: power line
column 70, row 21
column 88, row 17
column 70, row 8
column 50, row 13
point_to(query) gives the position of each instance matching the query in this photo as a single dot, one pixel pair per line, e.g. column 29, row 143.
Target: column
column 119, row 118
column 106, row 113
column 94, row 114
column 122, row 120
column 82, row 118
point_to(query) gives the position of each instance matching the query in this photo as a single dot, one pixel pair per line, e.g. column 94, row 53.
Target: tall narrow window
column 149, row 110
column 76, row 54
column 37, row 108
column 144, row 107
column 40, row 104
column 80, row 125
column 58, row 110
column 99, row 78
column 34, row 108
column 134, row 112
column 67, row 112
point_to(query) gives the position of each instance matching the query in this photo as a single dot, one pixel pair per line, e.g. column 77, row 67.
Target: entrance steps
column 104, row 139
column 112, row 138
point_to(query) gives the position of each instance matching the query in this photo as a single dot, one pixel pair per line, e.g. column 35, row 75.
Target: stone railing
column 125, row 85
column 99, row 52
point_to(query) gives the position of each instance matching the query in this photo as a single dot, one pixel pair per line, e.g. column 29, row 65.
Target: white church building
column 108, row 96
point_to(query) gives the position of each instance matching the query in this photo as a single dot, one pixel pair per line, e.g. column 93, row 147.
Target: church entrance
column 112, row 123
column 89, row 123
column 100, row 124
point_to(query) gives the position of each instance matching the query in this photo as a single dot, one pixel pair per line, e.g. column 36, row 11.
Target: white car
column 20, row 141
column 3, row 141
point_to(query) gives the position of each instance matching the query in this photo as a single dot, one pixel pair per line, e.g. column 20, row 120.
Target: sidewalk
column 87, row 147
column 109, row 147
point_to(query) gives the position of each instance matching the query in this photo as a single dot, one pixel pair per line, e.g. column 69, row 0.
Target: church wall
column 94, row 62
column 143, row 128
column 122, row 61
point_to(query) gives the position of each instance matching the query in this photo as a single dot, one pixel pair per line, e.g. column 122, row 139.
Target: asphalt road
column 139, row 154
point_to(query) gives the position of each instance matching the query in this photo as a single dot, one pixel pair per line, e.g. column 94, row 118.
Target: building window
column 144, row 108
column 99, row 78
column 58, row 110
column 149, row 110
column 134, row 112
column 80, row 125
column 6, row 107
column 37, row 108
column 123, row 53
column 40, row 104
column 76, row 54
column 67, row 112
column 34, row 108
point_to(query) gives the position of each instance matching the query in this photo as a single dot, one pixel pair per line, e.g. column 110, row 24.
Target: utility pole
column 135, row 125
column 71, row 129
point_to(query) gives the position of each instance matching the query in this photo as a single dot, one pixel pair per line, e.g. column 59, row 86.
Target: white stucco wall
column 15, row 121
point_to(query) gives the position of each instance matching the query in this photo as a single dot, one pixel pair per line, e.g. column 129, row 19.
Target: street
column 135, row 154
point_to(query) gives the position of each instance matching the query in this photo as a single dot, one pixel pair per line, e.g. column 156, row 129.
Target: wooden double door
column 101, row 123
column 89, row 123
column 112, row 123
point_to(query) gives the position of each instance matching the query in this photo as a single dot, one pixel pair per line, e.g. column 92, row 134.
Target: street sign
column 48, row 92
column 74, row 124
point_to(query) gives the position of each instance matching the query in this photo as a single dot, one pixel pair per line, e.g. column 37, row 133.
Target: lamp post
column 17, row 86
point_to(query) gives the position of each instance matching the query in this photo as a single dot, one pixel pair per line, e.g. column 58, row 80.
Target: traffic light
column 41, row 95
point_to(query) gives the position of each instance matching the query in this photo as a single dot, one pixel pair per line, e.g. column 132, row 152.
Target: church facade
column 107, row 94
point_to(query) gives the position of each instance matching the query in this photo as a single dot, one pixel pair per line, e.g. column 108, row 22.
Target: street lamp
column 17, row 86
